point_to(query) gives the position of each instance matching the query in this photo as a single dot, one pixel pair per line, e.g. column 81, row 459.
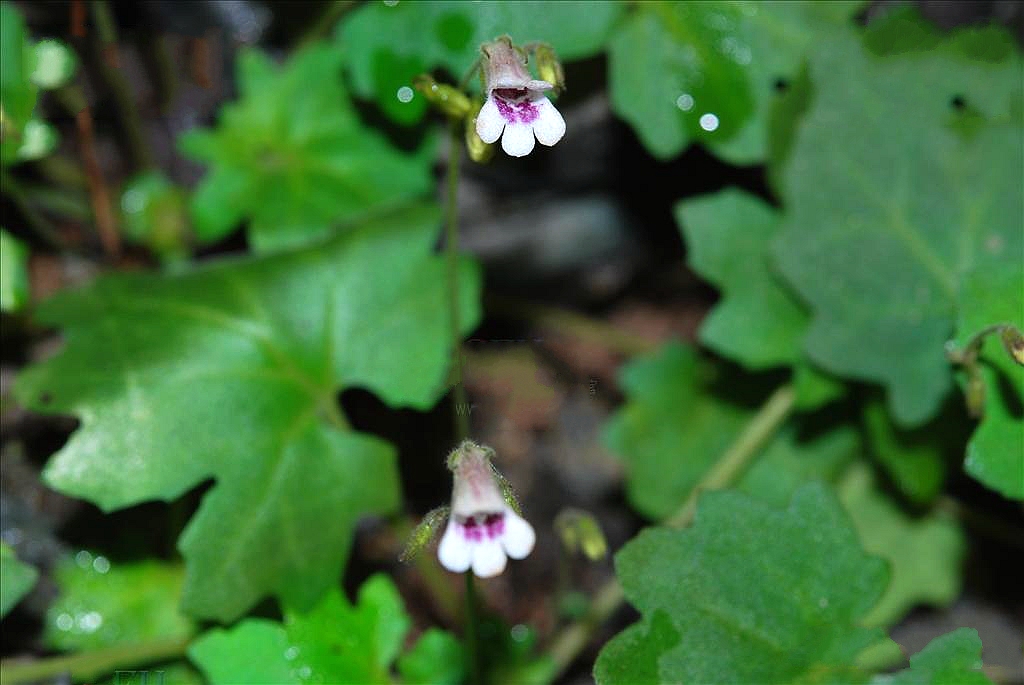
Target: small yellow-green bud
column 424, row 532
column 449, row 99
column 479, row 151
column 548, row 67
column 975, row 394
column 580, row 531
column 1013, row 341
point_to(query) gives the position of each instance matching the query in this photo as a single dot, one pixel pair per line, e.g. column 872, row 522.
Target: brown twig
column 106, row 221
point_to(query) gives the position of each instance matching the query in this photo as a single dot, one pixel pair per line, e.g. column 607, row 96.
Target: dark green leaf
column 295, row 159
column 886, row 213
column 231, row 372
column 755, row 595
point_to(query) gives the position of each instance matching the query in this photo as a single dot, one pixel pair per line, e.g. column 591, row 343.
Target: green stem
column 733, row 462
column 452, row 251
column 322, row 28
column 91, row 664
column 472, row 632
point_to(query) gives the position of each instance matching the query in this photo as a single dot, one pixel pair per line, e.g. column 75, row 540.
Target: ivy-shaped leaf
column 951, row 658
column 16, row 579
column 748, row 594
column 995, row 453
column 103, row 603
column 387, row 46
column 335, row 642
column 885, row 213
column 925, row 553
column 437, row 658
column 292, row 156
column 231, row 372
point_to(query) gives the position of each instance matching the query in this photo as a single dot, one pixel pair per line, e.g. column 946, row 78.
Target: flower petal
column 489, row 122
column 549, row 124
column 488, row 558
column 519, row 536
column 455, row 552
column 517, row 140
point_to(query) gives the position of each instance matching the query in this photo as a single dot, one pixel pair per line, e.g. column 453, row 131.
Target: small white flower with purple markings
column 516, row 109
column 483, row 528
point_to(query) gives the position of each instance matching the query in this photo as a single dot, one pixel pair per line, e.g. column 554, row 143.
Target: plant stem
column 472, row 632
column 322, row 28
column 91, row 664
column 451, row 211
column 755, row 436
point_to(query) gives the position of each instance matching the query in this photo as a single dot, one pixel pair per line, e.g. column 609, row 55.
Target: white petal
column 455, row 552
column 549, row 124
column 517, row 140
column 489, row 122
column 488, row 558
column 519, row 536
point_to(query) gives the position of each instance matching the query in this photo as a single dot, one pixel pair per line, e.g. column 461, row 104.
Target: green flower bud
column 548, row 67
column 449, row 99
column 580, row 531
column 479, row 151
column 1013, row 341
column 975, row 393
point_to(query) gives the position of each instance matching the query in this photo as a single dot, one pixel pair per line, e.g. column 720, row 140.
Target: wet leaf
column 231, row 372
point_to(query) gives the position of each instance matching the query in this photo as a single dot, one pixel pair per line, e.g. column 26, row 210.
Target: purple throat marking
column 478, row 526
column 513, row 109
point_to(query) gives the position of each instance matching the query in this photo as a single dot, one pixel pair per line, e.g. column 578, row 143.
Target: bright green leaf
column 885, row 213
column 437, row 658
column 995, row 453
column 334, row 642
column 16, row 579
column 925, row 554
column 292, row 156
column 231, row 372
column 757, row 323
column 386, row 47
column 154, row 213
column 951, row 658
column 755, row 595
column 13, row 272
column 103, row 603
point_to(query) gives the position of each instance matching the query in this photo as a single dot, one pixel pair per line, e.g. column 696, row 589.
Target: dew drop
column 305, row 672
column 519, row 632
column 685, row 102
column 133, row 202
column 83, row 559
column 65, row 622
column 291, row 653
column 708, row 122
column 404, row 94
column 390, row 3
column 823, row 602
column 101, row 564
column 90, row 622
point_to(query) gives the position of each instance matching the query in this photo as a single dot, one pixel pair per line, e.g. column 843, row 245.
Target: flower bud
column 548, row 67
column 580, row 531
column 975, row 393
column 449, row 99
column 479, row 151
column 1013, row 341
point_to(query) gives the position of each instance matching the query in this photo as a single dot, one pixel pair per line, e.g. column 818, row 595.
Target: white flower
column 482, row 529
column 516, row 104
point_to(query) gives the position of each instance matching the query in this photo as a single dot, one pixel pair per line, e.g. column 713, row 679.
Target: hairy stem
column 473, row 632
column 91, row 664
column 755, row 436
